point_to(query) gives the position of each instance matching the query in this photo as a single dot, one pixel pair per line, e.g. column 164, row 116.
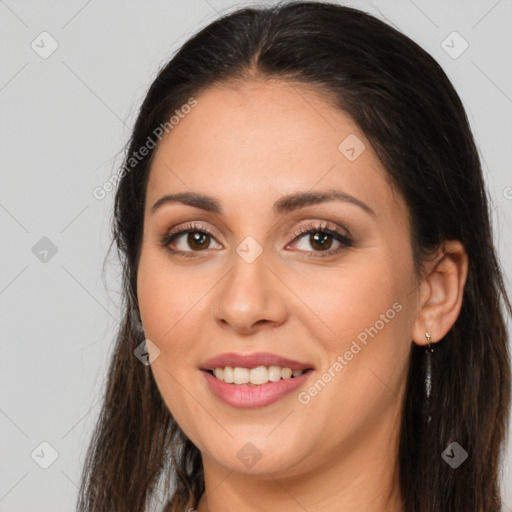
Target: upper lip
column 233, row 359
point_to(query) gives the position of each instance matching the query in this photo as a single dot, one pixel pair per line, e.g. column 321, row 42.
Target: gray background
column 64, row 120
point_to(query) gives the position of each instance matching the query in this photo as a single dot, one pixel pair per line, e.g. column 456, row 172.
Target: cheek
column 366, row 295
column 165, row 297
column 164, row 302
column 363, row 322
column 365, row 362
column 167, row 304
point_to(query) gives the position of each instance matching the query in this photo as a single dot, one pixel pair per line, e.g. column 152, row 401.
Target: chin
column 257, row 456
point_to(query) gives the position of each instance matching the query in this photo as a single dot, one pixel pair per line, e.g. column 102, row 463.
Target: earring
column 428, row 373
column 430, row 347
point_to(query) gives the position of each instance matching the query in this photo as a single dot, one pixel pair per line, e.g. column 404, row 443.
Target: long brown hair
column 406, row 106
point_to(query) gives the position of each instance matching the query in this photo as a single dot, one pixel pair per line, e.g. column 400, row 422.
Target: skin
column 248, row 145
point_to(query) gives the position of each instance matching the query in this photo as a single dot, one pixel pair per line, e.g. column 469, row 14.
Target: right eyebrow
column 194, row 199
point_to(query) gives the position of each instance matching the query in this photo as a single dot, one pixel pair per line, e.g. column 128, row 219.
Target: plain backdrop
column 72, row 77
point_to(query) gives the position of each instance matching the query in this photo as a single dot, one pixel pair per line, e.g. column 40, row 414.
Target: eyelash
column 316, row 228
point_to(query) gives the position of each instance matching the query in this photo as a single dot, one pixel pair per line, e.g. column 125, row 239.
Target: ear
column 441, row 293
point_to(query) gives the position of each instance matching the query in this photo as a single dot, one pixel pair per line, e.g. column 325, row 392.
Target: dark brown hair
column 409, row 111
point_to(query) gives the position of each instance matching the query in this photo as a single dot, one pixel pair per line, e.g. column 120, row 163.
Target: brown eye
column 197, row 239
column 319, row 240
column 318, row 243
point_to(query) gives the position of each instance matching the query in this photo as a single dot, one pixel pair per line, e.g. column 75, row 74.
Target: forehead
column 259, row 140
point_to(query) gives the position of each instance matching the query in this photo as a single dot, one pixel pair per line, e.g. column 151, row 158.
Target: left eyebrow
column 293, row 202
column 283, row 205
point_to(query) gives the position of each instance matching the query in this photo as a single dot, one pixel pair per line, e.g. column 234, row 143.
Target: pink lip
column 252, row 361
column 245, row 396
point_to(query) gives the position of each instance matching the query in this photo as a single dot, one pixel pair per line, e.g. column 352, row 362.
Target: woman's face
column 247, row 278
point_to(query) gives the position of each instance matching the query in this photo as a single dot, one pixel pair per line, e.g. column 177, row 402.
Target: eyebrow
column 283, row 205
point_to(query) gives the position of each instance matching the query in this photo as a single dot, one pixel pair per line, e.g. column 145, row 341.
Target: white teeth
column 286, row 373
column 274, row 373
column 240, row 375
column 255, row 376
column 258, row 375
column 227, row 374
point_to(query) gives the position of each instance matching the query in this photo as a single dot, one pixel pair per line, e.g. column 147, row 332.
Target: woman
column 309, row 279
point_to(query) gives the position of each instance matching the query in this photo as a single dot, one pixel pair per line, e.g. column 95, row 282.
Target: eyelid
column 332, row 229
column 345, row 239
column 189, row 226
column 322, row 225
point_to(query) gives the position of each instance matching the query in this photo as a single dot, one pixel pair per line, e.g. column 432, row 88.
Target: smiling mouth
column 258, row 376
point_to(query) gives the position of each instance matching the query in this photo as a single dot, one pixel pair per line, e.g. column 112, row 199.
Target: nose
column 250, row 297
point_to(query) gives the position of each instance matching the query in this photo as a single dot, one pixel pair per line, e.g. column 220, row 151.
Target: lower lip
column 243, row 395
